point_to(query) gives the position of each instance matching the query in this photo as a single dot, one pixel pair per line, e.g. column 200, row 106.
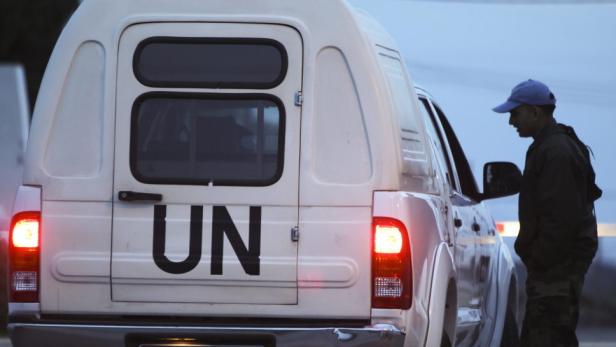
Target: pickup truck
column 249, row 173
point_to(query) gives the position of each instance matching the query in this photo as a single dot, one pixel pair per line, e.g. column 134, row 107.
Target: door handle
column 476, row 227
column 457, row 222
column 126, row 195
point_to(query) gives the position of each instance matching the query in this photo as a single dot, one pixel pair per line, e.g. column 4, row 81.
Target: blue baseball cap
column 529, row 92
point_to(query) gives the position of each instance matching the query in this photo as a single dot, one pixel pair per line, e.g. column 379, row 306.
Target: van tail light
column 24, row 257
column 391, row 265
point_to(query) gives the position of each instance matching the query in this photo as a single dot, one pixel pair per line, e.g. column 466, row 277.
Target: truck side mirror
column 500, row 179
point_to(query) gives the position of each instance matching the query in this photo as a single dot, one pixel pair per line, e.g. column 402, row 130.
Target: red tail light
column 391, row 265
column 24, row 251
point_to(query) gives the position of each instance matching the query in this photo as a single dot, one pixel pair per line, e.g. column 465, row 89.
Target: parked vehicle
column 261, row 173
column 14, row 123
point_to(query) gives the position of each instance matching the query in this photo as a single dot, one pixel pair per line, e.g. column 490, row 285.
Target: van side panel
column 75, row 147
column 416, row 173
column 70, row 155
column 75, row 244
column 334, row 258
column 339, row 137
column 70, row 150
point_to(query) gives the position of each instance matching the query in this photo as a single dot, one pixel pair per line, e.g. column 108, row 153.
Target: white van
column 248, row 173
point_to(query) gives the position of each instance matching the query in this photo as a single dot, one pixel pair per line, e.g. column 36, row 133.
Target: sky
column 470, row 54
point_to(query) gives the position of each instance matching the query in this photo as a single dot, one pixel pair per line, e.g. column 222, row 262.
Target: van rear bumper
column 76, row 335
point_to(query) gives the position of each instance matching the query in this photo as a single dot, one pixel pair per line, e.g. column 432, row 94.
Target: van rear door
column 206, row 164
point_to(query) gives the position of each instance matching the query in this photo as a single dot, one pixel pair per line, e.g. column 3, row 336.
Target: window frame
column 133, row 143
column 452, row 181
column 467, row 187
column 213, row 40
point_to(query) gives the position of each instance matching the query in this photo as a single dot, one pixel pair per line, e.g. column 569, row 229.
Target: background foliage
column 28, row 32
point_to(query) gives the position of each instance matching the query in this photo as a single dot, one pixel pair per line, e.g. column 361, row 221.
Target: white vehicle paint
column 236, row 200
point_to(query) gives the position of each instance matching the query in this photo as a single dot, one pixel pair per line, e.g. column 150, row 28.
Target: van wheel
column 445, row 340
column 510, row 336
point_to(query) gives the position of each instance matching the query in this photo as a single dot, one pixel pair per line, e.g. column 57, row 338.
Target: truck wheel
column 510, row 336
column 445, row 340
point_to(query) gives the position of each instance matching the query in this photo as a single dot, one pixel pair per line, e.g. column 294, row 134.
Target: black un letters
column 160, row 234
column 222, row 223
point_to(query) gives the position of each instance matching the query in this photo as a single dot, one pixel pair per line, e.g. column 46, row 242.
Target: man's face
column 525, row 119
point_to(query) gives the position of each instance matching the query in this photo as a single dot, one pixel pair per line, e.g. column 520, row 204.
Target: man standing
column 558, row 229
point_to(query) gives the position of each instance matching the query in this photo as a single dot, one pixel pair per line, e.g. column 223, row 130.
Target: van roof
column 310, row 13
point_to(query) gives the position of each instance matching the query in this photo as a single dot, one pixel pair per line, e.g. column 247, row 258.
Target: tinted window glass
column 467, row 179
column 203, row 138
column 213, row 63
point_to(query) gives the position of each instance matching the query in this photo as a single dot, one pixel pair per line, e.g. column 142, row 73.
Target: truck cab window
column 468, row 185
column 434, row 136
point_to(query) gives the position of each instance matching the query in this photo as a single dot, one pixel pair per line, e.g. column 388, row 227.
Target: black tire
column 510, row 336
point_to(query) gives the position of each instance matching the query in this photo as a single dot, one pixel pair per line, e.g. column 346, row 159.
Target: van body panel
column 80, row 111
column 340, row 124
column 27, row 199
column 336, row 273
column 75, row 245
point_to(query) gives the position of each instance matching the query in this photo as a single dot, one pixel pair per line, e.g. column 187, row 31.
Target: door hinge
column 299, row 98
column 295, row 234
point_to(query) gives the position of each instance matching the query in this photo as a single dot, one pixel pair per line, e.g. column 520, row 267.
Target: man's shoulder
column 559, row 142
column 558, row 149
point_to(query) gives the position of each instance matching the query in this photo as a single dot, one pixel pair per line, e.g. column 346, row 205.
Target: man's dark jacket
column 558, row 228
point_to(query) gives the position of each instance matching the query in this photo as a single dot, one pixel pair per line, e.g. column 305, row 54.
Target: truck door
column 488, row 269
column 206, row 164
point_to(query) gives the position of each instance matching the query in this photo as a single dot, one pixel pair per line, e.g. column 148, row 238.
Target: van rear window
column 210, row 62
column 201, row 139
